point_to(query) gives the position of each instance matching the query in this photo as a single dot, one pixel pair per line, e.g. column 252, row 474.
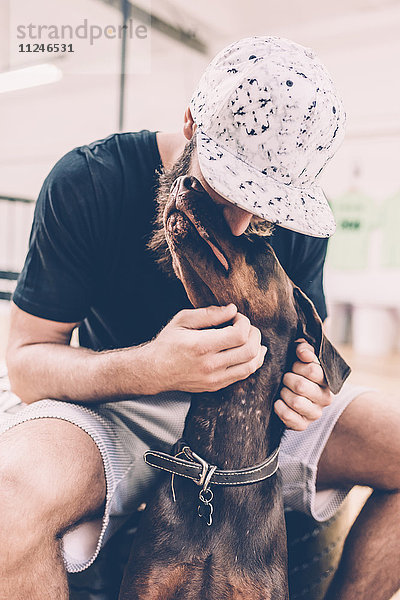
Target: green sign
column 355, row 215
column 390, row 223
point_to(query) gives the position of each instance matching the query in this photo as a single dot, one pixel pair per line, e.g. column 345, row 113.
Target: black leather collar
column 201, row 472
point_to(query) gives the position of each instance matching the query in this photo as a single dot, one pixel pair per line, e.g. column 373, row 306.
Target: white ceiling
column 224, row 20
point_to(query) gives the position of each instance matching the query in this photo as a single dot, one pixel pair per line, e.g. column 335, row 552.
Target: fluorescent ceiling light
column 29, row 77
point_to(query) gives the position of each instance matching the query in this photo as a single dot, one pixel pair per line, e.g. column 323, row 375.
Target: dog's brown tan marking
column 182, row 581
column 155, row 584
column 242, row 556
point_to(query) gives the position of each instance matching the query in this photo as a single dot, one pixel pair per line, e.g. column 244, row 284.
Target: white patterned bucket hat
column 268, row 120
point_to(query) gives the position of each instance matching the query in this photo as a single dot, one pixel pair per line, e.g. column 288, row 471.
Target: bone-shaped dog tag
column 205, row 509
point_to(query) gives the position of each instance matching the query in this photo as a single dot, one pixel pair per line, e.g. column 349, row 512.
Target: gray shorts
column 124, row 430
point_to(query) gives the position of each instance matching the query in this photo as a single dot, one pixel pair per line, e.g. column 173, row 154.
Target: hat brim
column 304, row 210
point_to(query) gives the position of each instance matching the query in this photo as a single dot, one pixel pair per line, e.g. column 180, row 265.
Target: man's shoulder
column 114, row 142
column 102, row 165
column 113, row 151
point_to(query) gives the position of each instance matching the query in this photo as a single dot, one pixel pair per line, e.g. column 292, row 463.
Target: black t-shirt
column 88, row 260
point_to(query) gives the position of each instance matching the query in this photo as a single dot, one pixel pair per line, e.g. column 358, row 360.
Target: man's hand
column 189, row 356
column 305, row 392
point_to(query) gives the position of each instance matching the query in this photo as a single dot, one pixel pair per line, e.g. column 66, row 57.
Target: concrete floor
column 380, row 372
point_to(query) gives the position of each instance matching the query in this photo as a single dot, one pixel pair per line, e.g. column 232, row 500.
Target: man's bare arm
column 186, row 355
column 42, row 364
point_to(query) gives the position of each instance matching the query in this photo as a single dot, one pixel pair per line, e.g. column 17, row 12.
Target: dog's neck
column 236, row 427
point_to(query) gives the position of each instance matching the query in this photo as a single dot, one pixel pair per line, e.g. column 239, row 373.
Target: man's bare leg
column 51, row 477
column 364, row 449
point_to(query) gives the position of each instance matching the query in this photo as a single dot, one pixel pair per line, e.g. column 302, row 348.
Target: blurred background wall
column 357, row 39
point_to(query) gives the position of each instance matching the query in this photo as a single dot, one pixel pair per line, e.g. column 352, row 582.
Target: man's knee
column 51, row 476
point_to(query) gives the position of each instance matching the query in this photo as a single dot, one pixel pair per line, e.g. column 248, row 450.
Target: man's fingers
column 305, row 392
column 305, row 352
column 202, row 318
column 289, row 417
column 238, row 334
column 223, row 355
column 311, row 371
column 216, row 340
column 223, row 377
column 301, row 386
column 241, row 371
column 235, row 346
column 239, row 355
column 232, row 336
column 302, row 406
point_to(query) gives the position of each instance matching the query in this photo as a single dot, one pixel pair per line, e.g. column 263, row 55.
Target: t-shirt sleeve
column 57, row 279
column 308, row 269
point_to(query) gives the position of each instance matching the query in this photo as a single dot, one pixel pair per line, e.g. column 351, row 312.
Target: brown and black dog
column 242, row 554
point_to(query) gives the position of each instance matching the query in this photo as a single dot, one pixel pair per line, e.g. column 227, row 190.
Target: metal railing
column 15, row 223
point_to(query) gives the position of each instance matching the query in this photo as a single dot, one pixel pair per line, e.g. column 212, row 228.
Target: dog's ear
column 335, row 368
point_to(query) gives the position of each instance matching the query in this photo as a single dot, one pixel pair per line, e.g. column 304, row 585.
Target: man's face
column 237, row 219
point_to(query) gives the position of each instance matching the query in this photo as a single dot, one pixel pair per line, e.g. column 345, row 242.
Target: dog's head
column 217, row 268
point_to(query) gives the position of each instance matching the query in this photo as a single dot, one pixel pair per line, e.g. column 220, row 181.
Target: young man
column 262, row 124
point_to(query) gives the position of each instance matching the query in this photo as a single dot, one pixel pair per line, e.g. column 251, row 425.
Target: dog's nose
column 237, row 219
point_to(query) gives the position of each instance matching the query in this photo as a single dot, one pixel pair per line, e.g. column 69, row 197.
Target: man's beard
column 157, row 242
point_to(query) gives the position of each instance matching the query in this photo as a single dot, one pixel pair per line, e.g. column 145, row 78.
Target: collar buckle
column 207, row 470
